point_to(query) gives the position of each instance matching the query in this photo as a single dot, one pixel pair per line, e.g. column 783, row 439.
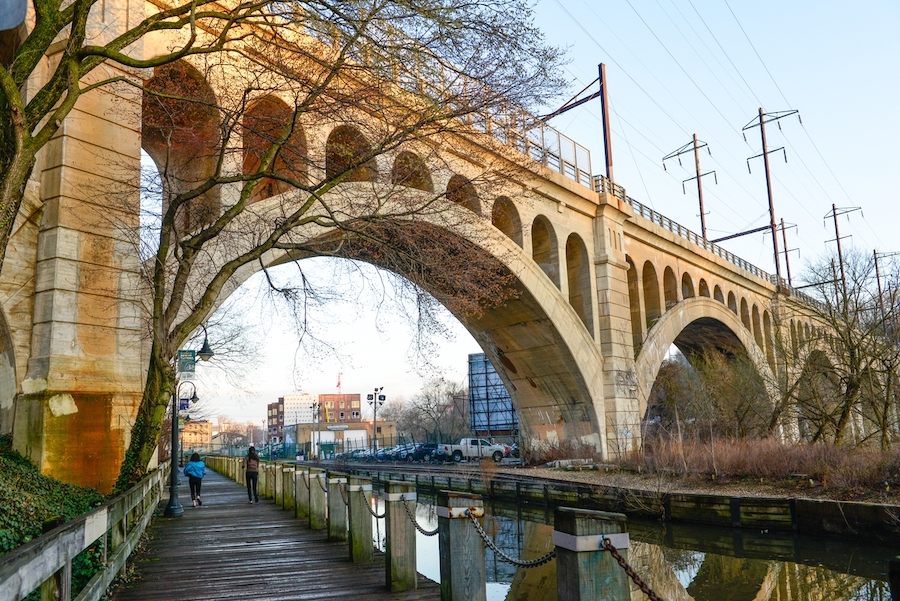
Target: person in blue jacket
column 195, row 471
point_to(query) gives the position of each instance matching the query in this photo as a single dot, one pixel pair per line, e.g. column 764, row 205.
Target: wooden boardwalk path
column 231, row 550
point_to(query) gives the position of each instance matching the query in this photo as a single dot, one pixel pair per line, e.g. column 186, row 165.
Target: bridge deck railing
column 45, row 563
column 602, row 184
column 508, row 124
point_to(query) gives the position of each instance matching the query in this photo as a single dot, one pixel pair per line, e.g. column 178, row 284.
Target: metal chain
column 503, row 556
column 645, row 588
column 343, row 495
column 322, row 486
column 305, row 479
column 369, row 506
column 412, row 519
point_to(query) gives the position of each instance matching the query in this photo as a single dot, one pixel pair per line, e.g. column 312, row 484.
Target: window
column 355, row 415
column 342, row 413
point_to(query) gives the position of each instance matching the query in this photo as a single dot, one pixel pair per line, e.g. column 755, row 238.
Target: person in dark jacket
column 251, row 466
column 195, row 470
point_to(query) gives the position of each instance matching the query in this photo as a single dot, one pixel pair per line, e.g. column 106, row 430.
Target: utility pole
column 607, row 132
column 878, row 280
column 763, row 119
column 787, row 261
column 837, row 238
column 696, row 145
column 604, row 107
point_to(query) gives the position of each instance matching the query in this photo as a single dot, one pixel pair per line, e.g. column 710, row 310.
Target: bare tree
column 854, row 351
column 231, row 136
column 437, row 413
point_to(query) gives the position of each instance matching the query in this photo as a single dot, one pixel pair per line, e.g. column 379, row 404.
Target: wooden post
column 301, row 486
column 400, row 537
column 287, row 486
column 583, row 571
column 277, row 484
column 361, row 547
column 58, row 586
column 317, row 500
column 463, row 573
column 118, row 533
column 337, row 510
column 261, row 480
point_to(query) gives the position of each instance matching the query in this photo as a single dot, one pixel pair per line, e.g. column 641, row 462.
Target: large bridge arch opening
column 537, row 350
column 699, row 325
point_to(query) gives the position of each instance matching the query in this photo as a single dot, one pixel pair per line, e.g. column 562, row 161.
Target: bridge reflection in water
column 683, row 562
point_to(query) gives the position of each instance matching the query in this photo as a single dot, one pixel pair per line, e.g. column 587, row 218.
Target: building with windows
column 299, row 408
column 275, row 421
column 196, row 435
column 340, row 408
column 491, row 411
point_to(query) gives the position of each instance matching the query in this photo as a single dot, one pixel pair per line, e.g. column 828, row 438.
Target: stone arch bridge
column 606, row 285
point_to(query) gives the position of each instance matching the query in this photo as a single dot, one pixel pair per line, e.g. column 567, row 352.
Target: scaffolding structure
column 491, row 411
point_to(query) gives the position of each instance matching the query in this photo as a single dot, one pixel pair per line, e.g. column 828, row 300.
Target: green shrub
column 28, row 499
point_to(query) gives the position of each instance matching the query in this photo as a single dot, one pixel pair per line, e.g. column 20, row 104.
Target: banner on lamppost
column 186, row 364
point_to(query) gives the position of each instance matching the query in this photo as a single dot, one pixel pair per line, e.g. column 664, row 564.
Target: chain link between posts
column 343, row 495
column 369, row 506
column 533, row 563
column 322, row 486
column 412, row 519
column 645, row 588
column 305, row 479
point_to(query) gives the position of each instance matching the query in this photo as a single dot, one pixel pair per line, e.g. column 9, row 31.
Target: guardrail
column 344, row 506
column 601, row 184
column 45, row 563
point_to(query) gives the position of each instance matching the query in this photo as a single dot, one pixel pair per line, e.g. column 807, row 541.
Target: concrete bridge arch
column 537, row 340
column 694, row 324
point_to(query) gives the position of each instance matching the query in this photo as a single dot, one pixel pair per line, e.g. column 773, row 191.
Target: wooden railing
column 45, row 563
column 344, row 505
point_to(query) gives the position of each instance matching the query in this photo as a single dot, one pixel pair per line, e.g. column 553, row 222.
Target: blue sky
column 675, row 68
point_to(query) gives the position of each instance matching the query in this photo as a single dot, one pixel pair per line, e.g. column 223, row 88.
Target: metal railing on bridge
column 601, row 184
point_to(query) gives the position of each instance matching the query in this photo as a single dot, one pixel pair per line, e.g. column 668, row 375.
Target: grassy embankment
column 29, row 500
column 761, row 467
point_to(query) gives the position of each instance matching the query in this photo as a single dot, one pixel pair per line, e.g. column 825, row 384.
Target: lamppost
column 317, row 443
column 375, row 400
column 174, row 508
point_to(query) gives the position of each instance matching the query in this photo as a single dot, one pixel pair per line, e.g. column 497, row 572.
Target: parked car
column 423, row 451
column 474, row 448
column 384, row 454
column 406, row 451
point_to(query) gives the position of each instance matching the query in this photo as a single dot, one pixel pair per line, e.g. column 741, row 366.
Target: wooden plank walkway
column 228, row 549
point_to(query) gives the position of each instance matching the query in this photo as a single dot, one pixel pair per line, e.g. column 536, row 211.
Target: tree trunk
column 849, row 398
column 158, row 392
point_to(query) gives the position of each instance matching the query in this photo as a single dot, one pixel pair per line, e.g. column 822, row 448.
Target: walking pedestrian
column 251, row 466
column 195, row 470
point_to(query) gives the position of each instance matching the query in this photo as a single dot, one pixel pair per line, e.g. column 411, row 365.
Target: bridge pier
column 620, row 399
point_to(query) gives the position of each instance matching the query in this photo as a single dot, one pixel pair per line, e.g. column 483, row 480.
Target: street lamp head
column 205, row 353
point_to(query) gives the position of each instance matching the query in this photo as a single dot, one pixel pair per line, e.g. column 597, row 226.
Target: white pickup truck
column 473, row 448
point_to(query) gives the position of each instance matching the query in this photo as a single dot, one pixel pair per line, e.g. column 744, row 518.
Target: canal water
column 679, row 562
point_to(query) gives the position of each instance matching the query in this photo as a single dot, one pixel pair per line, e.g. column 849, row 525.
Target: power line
column 683, row 70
